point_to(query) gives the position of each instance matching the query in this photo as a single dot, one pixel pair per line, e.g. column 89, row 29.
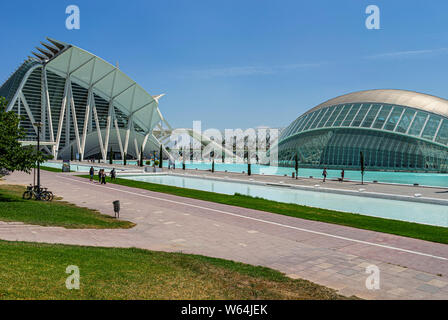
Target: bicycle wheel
column 48, row 196
column 27, row 195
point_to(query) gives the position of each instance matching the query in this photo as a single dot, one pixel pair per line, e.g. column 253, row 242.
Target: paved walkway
column 331, row 255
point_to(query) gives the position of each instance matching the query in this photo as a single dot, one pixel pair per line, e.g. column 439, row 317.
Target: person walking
column 324, row 173
column 103, row 177
column 100, row 172
column 91, row 172
column 113, row 174
column 342, row 175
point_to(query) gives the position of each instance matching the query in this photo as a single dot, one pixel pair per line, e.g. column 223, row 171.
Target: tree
column 361, row 160
column 296, row 165
column 161, row 157
column 14, row 156
column 111, row 156
column 141, row 156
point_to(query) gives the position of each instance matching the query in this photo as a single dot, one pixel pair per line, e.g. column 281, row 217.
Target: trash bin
column 117, row 208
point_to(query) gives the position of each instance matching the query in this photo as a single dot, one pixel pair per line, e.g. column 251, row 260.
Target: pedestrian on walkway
column 325, row 174
column 342, row 175
column 103, row 177
column 100, row 172
column 113, row 174
column 92, row 173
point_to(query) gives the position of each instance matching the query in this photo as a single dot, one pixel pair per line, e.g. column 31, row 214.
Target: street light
column 38, row 125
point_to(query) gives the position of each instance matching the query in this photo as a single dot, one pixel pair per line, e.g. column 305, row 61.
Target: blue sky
column 245, row 63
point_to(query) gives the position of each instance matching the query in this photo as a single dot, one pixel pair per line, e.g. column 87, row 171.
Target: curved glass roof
column 107, row 81
column 9, row 88
column 424, row 102
column 400, row 119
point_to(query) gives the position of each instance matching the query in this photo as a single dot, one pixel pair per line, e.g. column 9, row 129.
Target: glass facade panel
column 333, row 116
column 417, row 125
column 393, row 118
column 342, row 115
column 382, row 150
column 371, row 116
column 442, row 136
column 431, row 127
column 305, row 120
column 351, row 115
column 318, row 118
column 382, row 116
column 361, row 114
column 312, row 118
column 405, row 121
column 325, row 117
column 294, row 127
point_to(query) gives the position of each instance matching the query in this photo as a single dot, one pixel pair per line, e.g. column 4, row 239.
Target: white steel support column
column 120, row 144
column 47, row 98
column 61, row 119
column 128, row 131
column 97, row 123
column 86, row 122
column 75, row 120
column 145, row 140
column 108, row 125
column 28, row 110
column 137, row 152
column 44, row 105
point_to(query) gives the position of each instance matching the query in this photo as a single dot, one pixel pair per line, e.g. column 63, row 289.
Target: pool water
column 424, row 213
column 423, row 179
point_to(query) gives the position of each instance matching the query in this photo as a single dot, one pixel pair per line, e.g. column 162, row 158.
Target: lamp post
column 38, row 125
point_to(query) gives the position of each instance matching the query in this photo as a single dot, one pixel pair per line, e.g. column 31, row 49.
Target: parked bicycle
column 37, row 193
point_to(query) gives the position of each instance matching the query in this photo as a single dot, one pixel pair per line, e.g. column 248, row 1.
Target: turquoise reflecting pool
column 390, row 209
column 423, row 179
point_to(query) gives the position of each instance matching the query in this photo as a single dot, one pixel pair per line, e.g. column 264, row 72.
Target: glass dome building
column 396, row 130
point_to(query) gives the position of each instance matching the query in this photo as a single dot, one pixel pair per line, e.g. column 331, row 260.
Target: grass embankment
column 401, row 228
column 54, row 213
column 37, row 271
column 50, row 169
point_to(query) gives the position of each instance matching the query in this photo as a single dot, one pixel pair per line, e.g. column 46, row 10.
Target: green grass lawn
column 50, row 169
column 402, row 228
column 37, row 271
column 54, row 213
